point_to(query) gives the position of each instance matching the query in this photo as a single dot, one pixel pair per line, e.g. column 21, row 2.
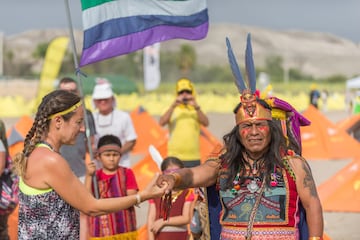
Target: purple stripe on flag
column 124, row 26
column 111, row 48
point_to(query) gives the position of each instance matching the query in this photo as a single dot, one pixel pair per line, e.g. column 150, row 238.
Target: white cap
column 102, row 90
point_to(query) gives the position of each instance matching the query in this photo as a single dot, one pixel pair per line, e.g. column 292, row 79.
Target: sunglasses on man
column 185, row 91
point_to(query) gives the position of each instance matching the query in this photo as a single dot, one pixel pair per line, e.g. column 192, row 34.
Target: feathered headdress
column 250, row 107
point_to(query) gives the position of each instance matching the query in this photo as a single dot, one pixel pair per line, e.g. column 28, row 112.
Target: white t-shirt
column 117, row 123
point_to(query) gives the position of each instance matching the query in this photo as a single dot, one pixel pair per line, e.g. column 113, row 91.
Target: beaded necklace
column 253, row 186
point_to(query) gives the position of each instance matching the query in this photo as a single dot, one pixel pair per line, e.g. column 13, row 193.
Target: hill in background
column 312, row 53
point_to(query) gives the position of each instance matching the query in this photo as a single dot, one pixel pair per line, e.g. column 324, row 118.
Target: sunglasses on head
column 185, row 91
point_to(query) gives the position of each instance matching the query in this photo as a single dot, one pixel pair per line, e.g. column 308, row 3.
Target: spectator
column 314, row 96
column 109, row 120
column 184, row 118
column 175, row 227
column 112, row 181
column 75, row 154
column 324, row 99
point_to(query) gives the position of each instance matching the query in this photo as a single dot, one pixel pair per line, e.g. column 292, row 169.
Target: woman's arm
column 54, row 172
column 306, row 188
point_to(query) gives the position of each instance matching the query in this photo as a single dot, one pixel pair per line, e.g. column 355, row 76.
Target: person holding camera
column 184, row 118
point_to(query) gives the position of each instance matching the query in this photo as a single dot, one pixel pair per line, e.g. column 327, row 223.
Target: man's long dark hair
column 234, row 159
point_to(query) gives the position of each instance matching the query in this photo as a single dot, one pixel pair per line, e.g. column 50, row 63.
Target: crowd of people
column 256, row 185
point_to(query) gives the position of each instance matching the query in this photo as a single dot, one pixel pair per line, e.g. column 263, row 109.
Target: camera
column 185, row 100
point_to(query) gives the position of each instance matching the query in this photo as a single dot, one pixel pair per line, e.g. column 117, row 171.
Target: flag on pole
column 151, row 60
column 117, row 27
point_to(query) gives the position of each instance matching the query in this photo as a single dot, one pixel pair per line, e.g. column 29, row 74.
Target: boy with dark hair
column 113, row 181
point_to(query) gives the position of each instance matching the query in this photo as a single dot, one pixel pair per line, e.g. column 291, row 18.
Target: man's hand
column 168, row 180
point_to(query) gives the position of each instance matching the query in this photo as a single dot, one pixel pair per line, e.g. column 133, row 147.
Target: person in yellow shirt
column 184, row 118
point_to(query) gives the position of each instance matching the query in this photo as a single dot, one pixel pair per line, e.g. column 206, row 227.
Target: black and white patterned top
column 47, row 216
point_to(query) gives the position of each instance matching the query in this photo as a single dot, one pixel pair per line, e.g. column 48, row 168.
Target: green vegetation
column 126, row 73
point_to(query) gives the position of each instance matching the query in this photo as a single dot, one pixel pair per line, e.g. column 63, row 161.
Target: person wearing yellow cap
column 184, row 117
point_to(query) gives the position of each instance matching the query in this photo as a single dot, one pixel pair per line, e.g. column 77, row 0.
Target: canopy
column 353, row 83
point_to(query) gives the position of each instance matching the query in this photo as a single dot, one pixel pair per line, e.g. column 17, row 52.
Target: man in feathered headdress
column 260, row 180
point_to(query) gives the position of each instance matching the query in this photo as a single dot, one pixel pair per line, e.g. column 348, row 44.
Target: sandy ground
column 338, row 225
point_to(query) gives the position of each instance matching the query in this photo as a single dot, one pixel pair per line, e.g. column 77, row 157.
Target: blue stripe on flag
column 124, row 26
column 129, row 43
column 124, row 33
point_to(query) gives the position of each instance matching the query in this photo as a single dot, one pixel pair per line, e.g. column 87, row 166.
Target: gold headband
column 251, row 109
column 66, row 111
column 109, row 147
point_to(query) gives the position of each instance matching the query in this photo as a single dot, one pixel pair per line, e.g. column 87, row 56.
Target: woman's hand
column 90, row 168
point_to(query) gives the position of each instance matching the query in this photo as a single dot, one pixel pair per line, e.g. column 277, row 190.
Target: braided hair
column 54, row 102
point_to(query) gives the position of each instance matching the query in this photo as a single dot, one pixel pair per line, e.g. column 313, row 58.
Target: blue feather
column 249, row 64
column 239, row 82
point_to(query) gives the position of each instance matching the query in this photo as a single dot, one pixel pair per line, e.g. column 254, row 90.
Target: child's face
column 110, row 159
column 171, row 168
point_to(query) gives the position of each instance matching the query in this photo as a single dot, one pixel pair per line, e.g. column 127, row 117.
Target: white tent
column 353, row 83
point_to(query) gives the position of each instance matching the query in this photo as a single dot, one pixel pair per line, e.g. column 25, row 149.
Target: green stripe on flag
column 85, row 4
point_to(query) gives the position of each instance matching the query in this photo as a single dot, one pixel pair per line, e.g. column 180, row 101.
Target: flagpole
column 78, row 76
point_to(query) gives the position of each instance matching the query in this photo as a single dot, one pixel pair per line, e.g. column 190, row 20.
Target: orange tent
column 147, row 129
column 323, row 140
column 207, row 143
column 326, row 237
column 342, row 191
column 17, row 133
column 351, row 125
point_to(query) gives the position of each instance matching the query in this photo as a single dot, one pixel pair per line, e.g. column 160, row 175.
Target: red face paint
column 255, row 135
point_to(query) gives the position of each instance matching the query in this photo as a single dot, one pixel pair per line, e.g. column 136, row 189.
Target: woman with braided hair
column 50, row 195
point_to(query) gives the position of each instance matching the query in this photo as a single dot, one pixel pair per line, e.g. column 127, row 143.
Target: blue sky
column 339, row 17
